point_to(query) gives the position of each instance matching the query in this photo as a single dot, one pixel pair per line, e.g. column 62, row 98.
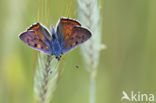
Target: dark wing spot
column 40, row 40
column 41, row 47
column 76, row 42
column 35, row 45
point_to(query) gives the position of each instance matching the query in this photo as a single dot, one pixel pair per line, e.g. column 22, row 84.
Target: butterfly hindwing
column 38, row 38
column 78, row 36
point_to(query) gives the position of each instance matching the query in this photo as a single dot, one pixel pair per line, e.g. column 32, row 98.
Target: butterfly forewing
column 64, row 28
column 71, row 34
column 38, row 38
column 78, row 36
column 40, row 30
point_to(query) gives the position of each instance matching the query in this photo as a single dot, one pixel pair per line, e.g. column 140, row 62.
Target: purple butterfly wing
column 71, row 34
column 78, row 36
column 38, row 38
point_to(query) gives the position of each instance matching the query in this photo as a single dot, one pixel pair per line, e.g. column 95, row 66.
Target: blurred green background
column 128, row 63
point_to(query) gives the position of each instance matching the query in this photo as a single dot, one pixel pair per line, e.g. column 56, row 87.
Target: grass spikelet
column 89, row 16
column 46, row 78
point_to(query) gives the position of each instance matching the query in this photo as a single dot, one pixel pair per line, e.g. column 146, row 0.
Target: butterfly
column 68, row 35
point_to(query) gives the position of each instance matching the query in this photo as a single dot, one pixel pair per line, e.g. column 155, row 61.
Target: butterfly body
column 55, row 45
column 69, row 34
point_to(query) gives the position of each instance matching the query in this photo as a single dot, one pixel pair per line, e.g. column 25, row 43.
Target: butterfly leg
column 58, row 57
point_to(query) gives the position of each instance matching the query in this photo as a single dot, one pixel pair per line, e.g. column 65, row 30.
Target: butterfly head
column 57, row 53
